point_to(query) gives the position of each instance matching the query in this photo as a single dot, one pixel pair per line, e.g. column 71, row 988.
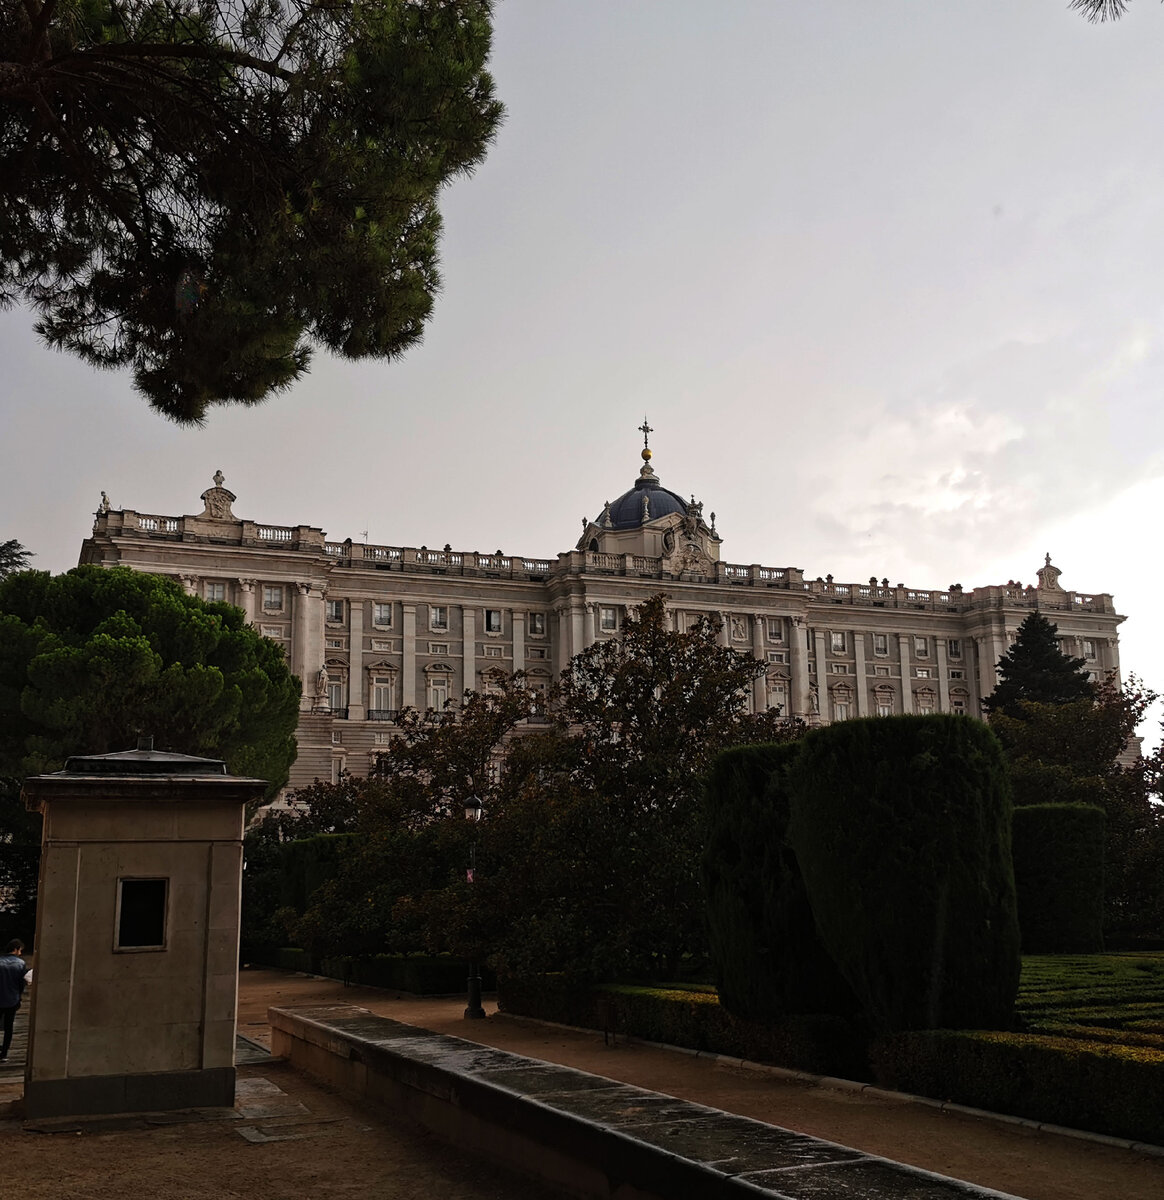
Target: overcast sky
column 886, row 276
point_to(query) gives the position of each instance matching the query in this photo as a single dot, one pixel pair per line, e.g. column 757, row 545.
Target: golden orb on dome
column 647, row 456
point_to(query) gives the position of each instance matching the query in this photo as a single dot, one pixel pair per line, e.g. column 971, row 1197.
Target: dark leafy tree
column 201, row 190
column 1101, row 10
column 93, row 658
column 1083, row 752
column 1035, row 669
column 13, row 557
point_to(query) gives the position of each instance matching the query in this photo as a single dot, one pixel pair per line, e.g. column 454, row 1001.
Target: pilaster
column 408, row 659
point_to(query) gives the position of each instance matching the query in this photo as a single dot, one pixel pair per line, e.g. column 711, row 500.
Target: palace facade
column 371, row 630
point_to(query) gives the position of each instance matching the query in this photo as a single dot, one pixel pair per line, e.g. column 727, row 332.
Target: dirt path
column 1036, row 1166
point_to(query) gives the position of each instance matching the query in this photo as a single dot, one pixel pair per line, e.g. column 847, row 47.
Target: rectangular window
column 921, row 647
column 335, row 696
column 382, row 615
column 273, row 631
column 333, row 643
column 841, row 710
column 778, row 656
column 141, row 914
column 608, row 619
column 493, row 620
column 337, row 738
column 880, row 670
column 214, row 591
column 881, row 643
column 775, row 629
column 273, row 597
column 1088, row 649
column 382, row 646
column 778, row 696
column 537, row 624
column 381, row 694
column 956, row 674
column 536, row 652
column 492, row 651
column 839, row 668
column 884, row 709
column 438, row 647
column 925, row 702
column 438, row 694
column 335, row 611
column 954, row 647
column 922, row 672
column 337, row 770
column 958, row 706
column 438, row 616
column 381, row 739
column 837, row 642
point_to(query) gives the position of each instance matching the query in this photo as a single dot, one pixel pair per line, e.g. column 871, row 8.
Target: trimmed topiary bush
column 1058, row 875
column 901, row 827
column 768, row 959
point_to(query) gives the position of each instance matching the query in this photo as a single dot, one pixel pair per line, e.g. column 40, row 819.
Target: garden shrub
column 822, row 1044
column 901, row 827
column 767, row 956
column 1103, row 1088
column 1058, row 875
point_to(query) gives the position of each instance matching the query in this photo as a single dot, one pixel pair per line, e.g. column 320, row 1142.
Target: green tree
column 1081, row 752
column 1035, row 669
column 93, row 658
column 203, row 191
column 13, row 557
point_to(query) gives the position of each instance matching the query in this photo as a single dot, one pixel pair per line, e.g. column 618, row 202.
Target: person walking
column 12, row 969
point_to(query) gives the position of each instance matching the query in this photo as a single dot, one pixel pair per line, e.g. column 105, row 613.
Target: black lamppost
column 473, row 810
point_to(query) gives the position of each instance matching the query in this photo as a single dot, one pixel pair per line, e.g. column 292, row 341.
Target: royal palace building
column 371, row 630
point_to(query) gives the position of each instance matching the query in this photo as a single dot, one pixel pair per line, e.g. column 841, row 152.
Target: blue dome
column 627, row 511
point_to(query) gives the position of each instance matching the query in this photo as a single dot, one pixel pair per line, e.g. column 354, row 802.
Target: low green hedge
column 824, row 1045
column 421, row 974
column 1104, row 1088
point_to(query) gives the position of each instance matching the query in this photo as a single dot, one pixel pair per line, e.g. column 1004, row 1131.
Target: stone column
column 987, row 675
column 408, row 662
column 518, row 640
column 247, row 588
column 588, row 623
column 859, row 666
column 190, row 584
column 357, row 683
column 561, row 634
column 577, row 644
column 798, row 701
column 906, row 673
column 759, row 685
column 943, row 675
column 822, row 676
column 468, row 648
column 724, row 636
column 306, row 649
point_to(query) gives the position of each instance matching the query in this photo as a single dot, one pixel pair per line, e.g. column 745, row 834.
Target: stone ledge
column 592, row 1136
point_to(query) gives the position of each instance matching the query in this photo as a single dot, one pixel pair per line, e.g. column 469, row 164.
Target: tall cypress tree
column 1034, row 668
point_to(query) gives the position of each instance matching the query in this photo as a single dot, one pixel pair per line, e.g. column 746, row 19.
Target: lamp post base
column 474, row 1011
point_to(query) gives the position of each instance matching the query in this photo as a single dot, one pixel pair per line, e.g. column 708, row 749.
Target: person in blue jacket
column 12, row 970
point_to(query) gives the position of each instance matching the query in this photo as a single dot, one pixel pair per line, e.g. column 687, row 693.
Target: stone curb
column 870, row 1089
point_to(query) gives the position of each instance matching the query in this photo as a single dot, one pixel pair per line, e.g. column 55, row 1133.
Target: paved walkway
column 1009, row 1158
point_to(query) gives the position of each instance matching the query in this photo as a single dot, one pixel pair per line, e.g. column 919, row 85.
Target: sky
column 885, row 276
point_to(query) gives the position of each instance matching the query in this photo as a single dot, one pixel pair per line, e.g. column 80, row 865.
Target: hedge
column 1104, row 1088
column 768, row 958
column 420, row 974
column 1058, row 875
column 823, row 1045
column 902, row 826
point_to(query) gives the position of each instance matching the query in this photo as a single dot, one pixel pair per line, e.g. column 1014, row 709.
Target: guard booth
column 137, row 933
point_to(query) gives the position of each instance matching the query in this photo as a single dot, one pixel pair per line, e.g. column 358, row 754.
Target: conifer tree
column 1035, row 669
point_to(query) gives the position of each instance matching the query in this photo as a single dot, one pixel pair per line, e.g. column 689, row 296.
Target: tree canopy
column 1035, row 669
column 13, row 557
column 93, row 658
column 202, row 190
